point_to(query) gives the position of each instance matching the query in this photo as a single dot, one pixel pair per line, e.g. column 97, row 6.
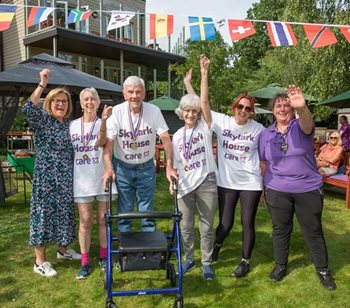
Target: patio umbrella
column 165, row 103
column 259, row 110
column 263, row 95
column 340, row 101
column 26, row 75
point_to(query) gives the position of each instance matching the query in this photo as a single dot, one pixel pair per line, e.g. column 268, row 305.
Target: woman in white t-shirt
column 88, row 135
column 194, row 162
column 239, row 175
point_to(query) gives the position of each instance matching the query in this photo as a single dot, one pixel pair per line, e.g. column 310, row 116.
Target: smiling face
column 282, row 111
column 190, row 117
column 59, row 106
column 243, row 110
column 135, row 95
column 89, row 103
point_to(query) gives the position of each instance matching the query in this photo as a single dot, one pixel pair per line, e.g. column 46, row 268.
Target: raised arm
column 187, row 82
column 44, row 79
column 205, row 108
column 101, row 137
column 298, row 103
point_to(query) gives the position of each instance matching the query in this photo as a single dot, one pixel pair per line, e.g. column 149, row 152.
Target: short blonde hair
column 51, row 96
column 336, row 134
column 189, row 101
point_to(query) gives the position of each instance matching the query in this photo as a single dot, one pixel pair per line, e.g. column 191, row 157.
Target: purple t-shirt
column 291, row 163
column 345, row 138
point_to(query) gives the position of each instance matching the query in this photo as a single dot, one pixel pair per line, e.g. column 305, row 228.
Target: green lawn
column 21, row 287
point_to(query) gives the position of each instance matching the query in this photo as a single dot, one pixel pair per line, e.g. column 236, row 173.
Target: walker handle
column 109, row 184
column 174, row 182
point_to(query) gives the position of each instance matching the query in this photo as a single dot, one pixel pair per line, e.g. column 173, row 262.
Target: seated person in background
column 328, row 159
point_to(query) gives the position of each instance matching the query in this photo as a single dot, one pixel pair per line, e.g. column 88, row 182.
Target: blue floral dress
column 52, row 210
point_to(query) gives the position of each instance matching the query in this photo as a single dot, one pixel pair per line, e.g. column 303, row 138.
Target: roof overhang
column 92, row 45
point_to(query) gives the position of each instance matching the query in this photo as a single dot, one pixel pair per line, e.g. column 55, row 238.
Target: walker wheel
column 172, row 274
column 179, row 302
column 110, row 304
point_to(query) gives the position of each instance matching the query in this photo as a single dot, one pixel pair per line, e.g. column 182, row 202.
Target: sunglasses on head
column 246, row 108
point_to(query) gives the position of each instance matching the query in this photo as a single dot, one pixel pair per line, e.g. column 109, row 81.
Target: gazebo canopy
column 339, row 101
column 165, row 103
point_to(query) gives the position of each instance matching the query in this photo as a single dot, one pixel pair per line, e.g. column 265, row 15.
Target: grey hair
column 133, row 81
column 93, row 91
column 189, row 101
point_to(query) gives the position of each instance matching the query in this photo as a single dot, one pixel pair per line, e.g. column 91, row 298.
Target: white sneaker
column 70, row 254
column 45, row 269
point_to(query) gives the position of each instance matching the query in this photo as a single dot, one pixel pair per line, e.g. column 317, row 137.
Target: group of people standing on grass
column 276, row 164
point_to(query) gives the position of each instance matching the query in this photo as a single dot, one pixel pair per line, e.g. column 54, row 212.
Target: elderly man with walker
column 131, row 136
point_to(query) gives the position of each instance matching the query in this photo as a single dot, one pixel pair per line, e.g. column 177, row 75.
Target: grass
column 21, row 287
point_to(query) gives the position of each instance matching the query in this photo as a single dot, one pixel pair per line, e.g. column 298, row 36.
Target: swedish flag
column 201, row 28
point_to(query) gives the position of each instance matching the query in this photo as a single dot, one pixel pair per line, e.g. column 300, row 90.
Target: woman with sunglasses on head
column 239, row 175
column 293, row 183
column 88, row 135
column 330, row 155
column 52, row 210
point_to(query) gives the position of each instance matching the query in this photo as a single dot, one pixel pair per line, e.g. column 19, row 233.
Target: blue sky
column 181, row 9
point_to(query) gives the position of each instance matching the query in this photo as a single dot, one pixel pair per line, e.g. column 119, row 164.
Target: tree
column 220, row 68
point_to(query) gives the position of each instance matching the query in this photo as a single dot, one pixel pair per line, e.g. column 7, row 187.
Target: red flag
column 161, row 25
column 240, row 29
column 346, row 32
column 319, row 36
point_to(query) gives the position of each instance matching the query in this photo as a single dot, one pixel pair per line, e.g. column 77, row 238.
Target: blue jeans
column 135, row 182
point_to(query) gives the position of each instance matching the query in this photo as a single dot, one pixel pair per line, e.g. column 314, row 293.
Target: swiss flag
column 346, row 32
column 240, row 29
column 319, row 36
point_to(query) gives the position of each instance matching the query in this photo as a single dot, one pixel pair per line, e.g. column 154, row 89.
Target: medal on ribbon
column 85, row 141
column 187, row 150
column 135, row 130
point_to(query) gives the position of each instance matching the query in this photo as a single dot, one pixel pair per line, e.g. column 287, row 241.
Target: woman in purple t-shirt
column 344, row 132
column 293, row 184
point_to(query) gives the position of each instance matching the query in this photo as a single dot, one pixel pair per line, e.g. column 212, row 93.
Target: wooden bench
column 341, row 180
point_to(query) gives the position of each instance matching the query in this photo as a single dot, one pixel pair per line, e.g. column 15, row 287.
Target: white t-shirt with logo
column 238, row 158
column 88, row 160
column 120, row 130
column 201, row 161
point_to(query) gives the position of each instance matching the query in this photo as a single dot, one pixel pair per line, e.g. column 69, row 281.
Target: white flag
column 119, row 19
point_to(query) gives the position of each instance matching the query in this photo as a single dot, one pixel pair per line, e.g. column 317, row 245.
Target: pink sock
column 84, row 258
column 103, row 253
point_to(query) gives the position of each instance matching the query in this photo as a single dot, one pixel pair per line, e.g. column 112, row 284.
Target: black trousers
column 249, row 201
column 308, row 209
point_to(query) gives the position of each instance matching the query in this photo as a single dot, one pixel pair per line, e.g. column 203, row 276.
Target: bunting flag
column 281, row 34
column 240, row 29
column 7, row 12
column 161, row 25
column 319, row 36
column 119, row 19
column 76, row 15
column 346, row 32
column 38, row 14
column 201, row 28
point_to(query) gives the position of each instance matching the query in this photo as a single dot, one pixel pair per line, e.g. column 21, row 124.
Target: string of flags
column 201, row 28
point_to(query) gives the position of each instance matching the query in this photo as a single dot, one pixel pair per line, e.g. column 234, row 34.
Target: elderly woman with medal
column 131, row 136
column 194, row 161
column 293, row 183
column 88, row 135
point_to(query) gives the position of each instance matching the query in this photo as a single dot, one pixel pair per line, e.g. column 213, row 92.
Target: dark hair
column 343, row 117
column 250, row 98
column 276, row 98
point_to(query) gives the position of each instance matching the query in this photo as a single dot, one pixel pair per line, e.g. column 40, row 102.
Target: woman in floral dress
column 52, row 211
